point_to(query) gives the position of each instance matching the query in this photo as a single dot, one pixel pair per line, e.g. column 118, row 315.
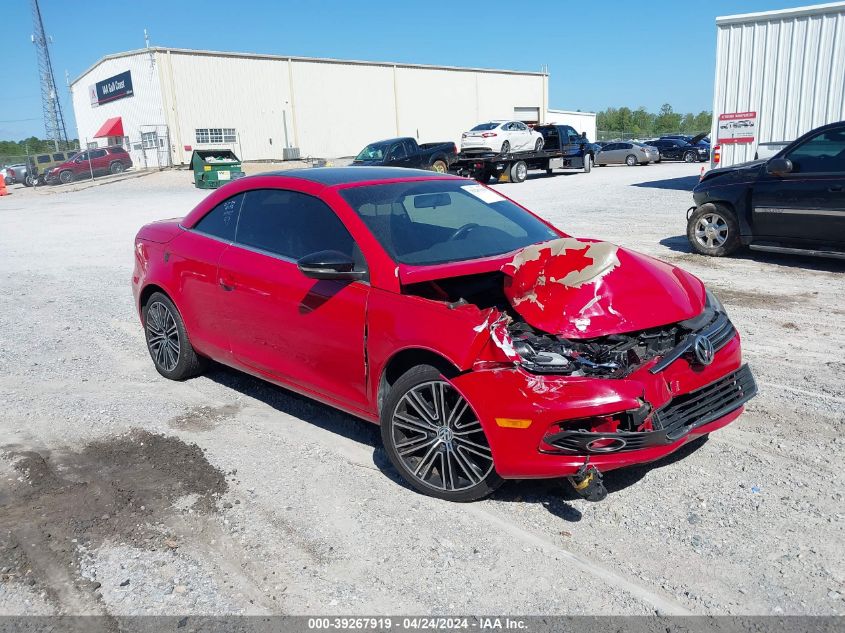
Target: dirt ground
column 122, row 493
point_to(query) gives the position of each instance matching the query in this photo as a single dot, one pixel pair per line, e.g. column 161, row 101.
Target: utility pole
column 54, row 122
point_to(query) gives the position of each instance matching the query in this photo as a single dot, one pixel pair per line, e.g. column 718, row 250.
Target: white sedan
column 501, row 136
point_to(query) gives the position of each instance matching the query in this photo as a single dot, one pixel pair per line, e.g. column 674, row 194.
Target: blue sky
column 599, row 53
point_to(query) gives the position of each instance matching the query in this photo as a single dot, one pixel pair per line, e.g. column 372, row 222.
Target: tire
column 657, row 161
column 439, row 166
column 116, row 167
column 519, row 171
column 631, row 160
column 506, row 147
column 445, row 459
column 549, row 171
column 174, row 358
column 66, row 177
column 602, row 164
column 29, row 181
column 689, row 157
column 538, row 145
column 712, row 230
column 588, row 164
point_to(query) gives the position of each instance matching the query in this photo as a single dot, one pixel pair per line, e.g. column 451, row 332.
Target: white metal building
column 581, row 121
column 165, row 102
column 779, row 74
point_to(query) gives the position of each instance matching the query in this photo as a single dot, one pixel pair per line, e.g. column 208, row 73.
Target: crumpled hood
column 586, row 288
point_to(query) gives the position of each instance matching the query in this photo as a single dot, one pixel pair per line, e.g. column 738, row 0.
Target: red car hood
column 586, row 288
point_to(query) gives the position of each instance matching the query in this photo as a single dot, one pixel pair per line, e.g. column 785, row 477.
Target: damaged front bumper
column 566, row 420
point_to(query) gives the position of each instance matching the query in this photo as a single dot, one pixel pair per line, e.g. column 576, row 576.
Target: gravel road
column 123, row 493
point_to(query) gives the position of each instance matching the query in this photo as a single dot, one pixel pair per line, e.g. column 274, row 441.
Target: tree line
column 33, row 145
column 641, row 123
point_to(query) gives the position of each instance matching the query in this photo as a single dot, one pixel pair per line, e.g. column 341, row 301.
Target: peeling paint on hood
column 587, row 288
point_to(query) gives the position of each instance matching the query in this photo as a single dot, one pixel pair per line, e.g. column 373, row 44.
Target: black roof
column 341, row 175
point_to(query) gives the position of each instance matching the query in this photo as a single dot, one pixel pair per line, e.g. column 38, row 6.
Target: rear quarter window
column 44, row 158
column 222, row 220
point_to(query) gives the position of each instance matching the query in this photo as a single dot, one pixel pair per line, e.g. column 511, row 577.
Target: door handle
column 228, row 287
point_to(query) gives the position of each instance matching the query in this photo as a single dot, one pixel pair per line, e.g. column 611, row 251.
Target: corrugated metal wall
column 789, row 67
column 331, row 108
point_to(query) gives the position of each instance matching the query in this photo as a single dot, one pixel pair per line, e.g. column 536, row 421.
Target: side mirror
column 328, row 265
column 77, row 160
column 779, row 166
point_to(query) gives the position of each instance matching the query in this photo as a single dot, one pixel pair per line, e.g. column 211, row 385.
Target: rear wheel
column 433, row 438
column 519, row 171
column 167, row 340
column 713, row 230
column 630, row 160
column 66, row 177
column 439, row 166
column 29, row 181
column 538, row 145
column 116, row 167
column 506, row 147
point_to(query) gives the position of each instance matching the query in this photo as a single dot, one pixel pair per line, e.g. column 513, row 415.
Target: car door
column 606, row 155
column 300, row 331
column 195, row 257
column 807, row 203
column 397, row 155
column 572, row 141
column 99, row 161
column 523, row 135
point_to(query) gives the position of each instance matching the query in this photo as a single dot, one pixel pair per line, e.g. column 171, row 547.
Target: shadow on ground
column 684, row 183
column 680, row 244
column 555, row 495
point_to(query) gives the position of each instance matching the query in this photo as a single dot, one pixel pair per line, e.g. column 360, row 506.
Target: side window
column 43, row 158
column 98, row 153
column 397, row 152
column 59, row 157
column 626, row 146
column 291, row 224
column 409, row 148
column 521, row 126
column 824, row 152
column 222, row 220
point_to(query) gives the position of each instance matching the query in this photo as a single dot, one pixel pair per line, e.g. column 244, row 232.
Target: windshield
column 485, row 126
column 438, row 221
column 374, row 151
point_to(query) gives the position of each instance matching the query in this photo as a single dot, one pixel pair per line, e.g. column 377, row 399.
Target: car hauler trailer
column 563, row 148
column 779, row 74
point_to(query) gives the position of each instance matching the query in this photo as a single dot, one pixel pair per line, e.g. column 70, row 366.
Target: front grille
column 704, row 405
column 720, row 332
column 671, row 422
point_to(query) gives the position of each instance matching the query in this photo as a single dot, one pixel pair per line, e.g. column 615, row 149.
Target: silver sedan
column 626, row 153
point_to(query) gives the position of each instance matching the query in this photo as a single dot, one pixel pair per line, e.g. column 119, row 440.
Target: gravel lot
column 124, row 493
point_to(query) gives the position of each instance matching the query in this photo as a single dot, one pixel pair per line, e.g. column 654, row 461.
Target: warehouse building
column 164, row 102
column 779, row 74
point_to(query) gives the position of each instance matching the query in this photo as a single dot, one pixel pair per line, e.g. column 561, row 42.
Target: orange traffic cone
column 3, row 190
column 701, row 175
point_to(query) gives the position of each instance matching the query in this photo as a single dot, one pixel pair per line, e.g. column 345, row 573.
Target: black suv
column 793, row 202
column 678, row 149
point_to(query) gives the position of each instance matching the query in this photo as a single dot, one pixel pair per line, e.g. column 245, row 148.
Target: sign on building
column 111, row 89
column 737, row 127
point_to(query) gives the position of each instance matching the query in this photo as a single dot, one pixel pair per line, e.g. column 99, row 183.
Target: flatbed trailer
column 514, row 166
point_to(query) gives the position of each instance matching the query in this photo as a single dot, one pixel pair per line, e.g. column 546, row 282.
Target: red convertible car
column 488, row 344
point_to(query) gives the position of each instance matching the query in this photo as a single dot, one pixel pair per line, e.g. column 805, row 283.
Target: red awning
column 112, row 127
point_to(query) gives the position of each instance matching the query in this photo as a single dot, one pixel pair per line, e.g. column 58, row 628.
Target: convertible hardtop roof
column 330, row 176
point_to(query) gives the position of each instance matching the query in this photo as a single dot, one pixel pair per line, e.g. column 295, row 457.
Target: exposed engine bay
column 611, row 356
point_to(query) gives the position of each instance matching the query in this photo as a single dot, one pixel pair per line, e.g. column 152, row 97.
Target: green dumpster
column 215, row 167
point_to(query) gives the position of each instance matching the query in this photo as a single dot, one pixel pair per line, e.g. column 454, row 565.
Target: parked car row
column 67, row 166
column 690, row 149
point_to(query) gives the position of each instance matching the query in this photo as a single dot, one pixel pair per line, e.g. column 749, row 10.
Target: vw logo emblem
column 703, row 350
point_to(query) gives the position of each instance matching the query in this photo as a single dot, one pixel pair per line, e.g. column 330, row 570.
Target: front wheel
column 439, row 166
column 588, row 163
column 434, row 439
column 29, row 181
column 713, row 230
column 66, row 177
column 167, row 340
column 689, row 157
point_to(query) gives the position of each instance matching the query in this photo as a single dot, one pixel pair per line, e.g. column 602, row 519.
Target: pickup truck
column 405, row 152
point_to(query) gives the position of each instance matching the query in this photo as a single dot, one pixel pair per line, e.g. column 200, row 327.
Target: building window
column 205, row 136
column 148, row 140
